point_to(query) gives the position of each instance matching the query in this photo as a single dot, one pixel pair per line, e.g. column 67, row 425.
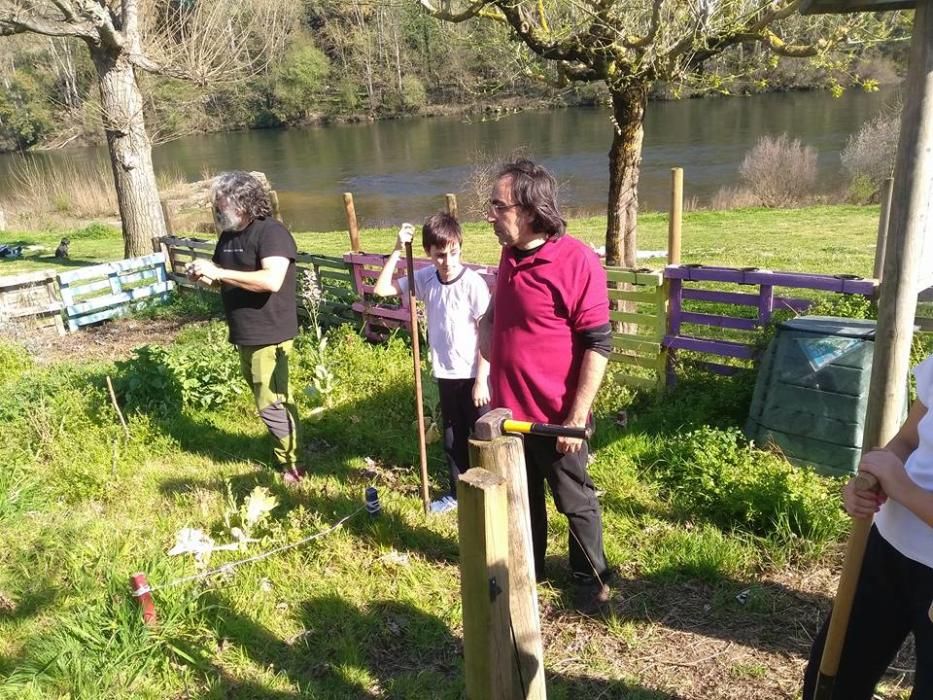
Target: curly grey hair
column 243, row 193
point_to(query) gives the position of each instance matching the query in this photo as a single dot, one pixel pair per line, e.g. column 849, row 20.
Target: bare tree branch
column 477, row 8
column 654, row 23
column 17, row 19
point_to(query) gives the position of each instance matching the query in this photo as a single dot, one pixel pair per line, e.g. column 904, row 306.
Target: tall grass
column 69, row 190
column 66, row 188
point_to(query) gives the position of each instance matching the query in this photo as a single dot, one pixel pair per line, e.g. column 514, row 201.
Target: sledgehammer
column 499, row 421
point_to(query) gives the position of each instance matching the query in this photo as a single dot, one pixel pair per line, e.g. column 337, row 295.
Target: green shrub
column 95, row 232
column 298, row 83
column 146, row 382
column 203, row 373
column 14, row 360
column 414, row 96
column 715, row 474
column 25, row 112
column 844, row 306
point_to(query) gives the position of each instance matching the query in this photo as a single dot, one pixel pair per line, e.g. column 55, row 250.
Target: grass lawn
column 831, row 239
column 727, row 556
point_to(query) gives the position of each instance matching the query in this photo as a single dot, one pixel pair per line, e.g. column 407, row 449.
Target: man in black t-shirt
column 254, row 264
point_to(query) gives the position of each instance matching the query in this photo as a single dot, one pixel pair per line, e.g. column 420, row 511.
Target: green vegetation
column 831, row 239
column 373, row 605
column 718, row 543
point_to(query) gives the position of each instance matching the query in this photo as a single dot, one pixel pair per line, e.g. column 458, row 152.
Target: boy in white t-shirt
column 455, row 299
column 894, row 596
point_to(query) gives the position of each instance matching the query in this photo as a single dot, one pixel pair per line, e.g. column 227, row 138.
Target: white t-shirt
column 452, row 309
column 907, row 533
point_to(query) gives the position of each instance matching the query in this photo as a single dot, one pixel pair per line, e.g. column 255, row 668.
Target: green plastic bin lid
column 831, row 325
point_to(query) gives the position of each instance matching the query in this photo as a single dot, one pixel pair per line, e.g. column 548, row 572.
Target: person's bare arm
column 887, row 466
column 591, row 376
column 386, row 286
column 268, row 278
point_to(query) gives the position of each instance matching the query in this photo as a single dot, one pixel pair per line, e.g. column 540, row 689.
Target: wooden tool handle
column 866, row 482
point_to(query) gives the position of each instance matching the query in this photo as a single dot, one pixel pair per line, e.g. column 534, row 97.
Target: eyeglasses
column 498, row 207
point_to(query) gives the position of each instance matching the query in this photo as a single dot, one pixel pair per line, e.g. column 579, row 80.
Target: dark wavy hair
column 243, row 192
column 535, row 190
column 440, row 230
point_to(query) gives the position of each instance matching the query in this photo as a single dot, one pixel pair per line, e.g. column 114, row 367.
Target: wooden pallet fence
column 331, row 275
column 691, row 284
column 334, row 280
column 181, row 251
column 31, row 302
column 643, row 348
column 99, row 292
column 379, row 314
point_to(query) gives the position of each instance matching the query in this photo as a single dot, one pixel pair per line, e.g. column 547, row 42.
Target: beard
column 230, row 220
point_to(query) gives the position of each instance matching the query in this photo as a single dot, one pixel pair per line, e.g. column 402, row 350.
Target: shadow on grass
column 383, row 649
column 30, row 604
column 47, row 260
column 764, row 615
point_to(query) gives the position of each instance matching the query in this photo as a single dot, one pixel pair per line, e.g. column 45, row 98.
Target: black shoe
column 591, row 598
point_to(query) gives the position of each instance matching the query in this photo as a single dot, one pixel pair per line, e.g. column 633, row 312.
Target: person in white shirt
column 455, row 299
column 894, row 596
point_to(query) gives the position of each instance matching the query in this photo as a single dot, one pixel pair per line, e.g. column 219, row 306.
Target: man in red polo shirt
column 550, row 342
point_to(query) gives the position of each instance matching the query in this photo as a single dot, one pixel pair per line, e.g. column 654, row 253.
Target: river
column 399, row 170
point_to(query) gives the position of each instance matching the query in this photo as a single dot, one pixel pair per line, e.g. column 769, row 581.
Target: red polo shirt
column 542, row 302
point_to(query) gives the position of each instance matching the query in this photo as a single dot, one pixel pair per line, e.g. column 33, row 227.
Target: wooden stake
column 505, row 457
column 910, row 207
column 675, row 221
column 352, row 225
column 484, row 585
column 887, row 193
column 167, row 217
column 116, row 407
column 274, row 201
column 416, row 353
column 452, row 205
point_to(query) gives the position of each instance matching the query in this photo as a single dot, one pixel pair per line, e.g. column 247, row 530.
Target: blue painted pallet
column 99, row 292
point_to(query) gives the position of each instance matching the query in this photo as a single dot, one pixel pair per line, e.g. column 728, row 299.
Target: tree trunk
column 628, row 111
column 130, row 151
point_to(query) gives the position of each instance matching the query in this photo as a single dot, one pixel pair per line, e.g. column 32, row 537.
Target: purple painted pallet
column 726, row 348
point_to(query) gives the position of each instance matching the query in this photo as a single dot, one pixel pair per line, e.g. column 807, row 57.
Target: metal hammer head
column 489, row 426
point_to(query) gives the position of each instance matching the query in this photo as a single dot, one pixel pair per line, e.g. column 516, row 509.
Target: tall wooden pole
column 675, row 221
column 352, row 225
column 451, row 200
column 419, row 393
column 884, row 222
column 505, row 456
column 910, row 217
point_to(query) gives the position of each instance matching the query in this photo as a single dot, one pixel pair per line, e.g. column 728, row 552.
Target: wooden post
column 274, row 201
column 167, row 217
column 887, row 193
column 675, row 221
column 352, row 226
column 910, row 209
column 505, row 457
column 416, row 355
column 452, row 205
column 484, row 585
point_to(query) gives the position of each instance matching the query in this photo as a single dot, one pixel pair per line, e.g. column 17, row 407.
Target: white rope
column 232, row 565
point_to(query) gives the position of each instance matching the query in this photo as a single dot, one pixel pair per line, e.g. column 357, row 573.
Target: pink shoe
column 292, row 476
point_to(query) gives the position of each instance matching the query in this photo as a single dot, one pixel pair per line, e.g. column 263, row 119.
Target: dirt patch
column 111, row 340
column 729, row 640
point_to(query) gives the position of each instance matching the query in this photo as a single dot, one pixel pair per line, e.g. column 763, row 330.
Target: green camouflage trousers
column 265, row 368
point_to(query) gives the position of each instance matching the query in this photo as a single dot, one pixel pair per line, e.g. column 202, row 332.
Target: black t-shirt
column 258, row 318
